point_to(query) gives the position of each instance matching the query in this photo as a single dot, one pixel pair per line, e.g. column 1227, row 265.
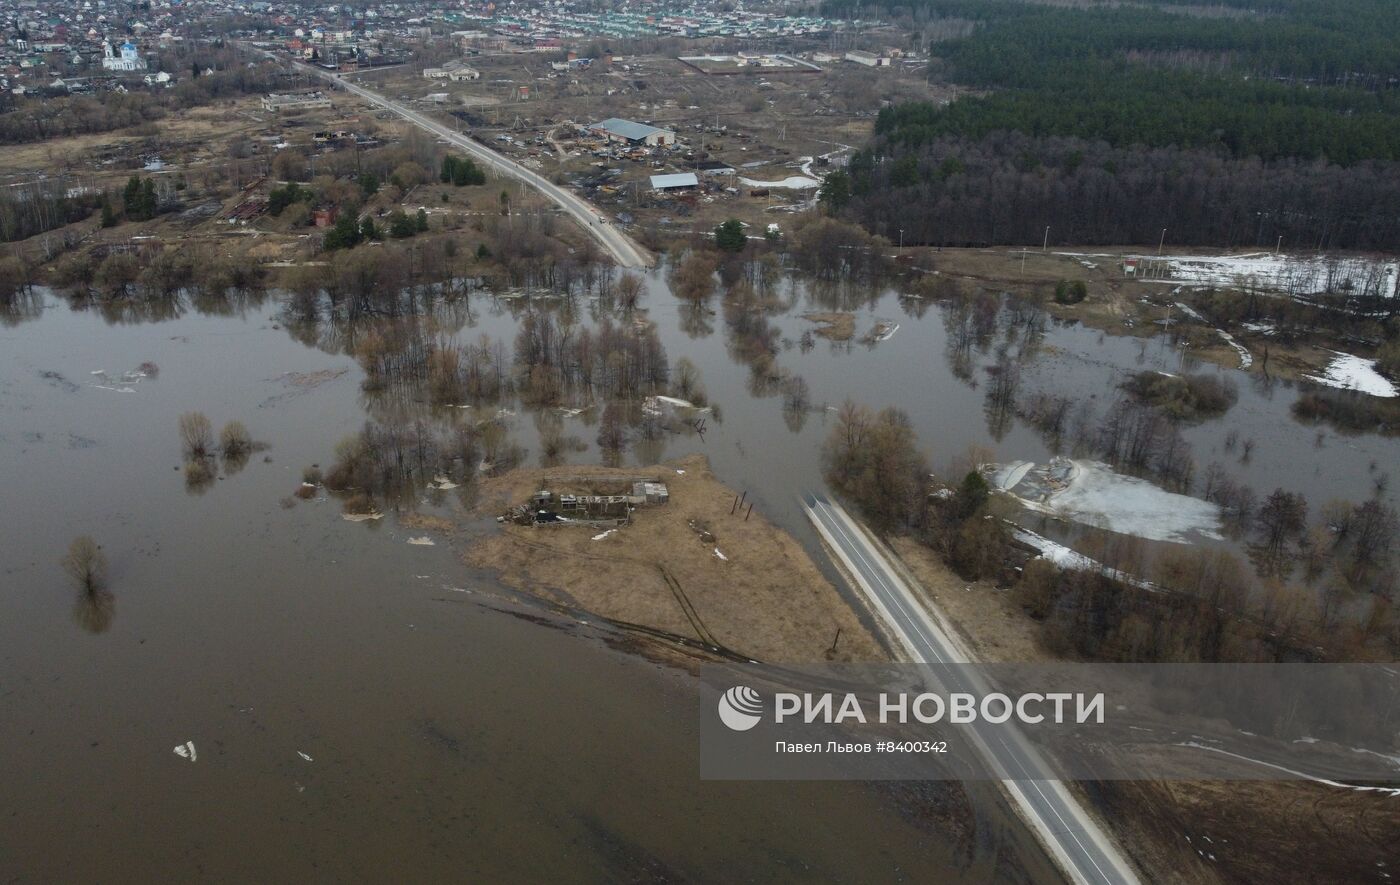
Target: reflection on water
column 93, row 610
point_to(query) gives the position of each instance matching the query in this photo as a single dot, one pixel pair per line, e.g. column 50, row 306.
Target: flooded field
column 361, row 706
column 357, row 707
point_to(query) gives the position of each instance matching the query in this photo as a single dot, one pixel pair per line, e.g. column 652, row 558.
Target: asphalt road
column 620, row 246
column 1073, row 837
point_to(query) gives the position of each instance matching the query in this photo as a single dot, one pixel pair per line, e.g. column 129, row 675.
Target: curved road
column 1072, row 836
column 620, row 246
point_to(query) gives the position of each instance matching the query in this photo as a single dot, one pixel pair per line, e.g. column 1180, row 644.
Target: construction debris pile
column 589, row 501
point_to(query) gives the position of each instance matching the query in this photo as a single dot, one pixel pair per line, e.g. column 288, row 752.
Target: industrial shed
column 617, row 129
column 680, row 181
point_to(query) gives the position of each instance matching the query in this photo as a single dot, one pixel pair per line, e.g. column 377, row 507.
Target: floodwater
column 359, row 708
column 451, row 731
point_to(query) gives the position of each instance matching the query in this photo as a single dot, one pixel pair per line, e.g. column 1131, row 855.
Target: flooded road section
column 349, row 705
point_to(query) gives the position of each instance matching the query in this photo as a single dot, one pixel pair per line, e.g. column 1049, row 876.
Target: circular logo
column 740, row 708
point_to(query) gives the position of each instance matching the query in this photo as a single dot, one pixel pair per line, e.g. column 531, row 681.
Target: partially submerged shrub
column 235, row 440
column 359, row 503
column 86, row 564
column 1184, row 397
column 197, row 435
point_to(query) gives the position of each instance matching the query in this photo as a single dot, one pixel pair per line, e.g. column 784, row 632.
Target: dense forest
column 1008, row 187
column 1230, row 125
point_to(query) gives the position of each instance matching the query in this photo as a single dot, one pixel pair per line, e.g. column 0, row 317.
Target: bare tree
column 629, row 290
column 1282, row 515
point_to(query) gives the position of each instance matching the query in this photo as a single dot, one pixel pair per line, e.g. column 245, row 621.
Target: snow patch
column 1295, row 274
column 1246, row 358
column 1355, row 373
column 1068, row 558
column 792, row 182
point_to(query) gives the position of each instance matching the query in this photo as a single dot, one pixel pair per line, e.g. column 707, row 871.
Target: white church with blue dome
column 129, row 59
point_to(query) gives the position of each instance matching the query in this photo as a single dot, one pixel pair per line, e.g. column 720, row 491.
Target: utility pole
column 1279, row 247
column 901, row 239
column 1161, row 242
column 1046, row 245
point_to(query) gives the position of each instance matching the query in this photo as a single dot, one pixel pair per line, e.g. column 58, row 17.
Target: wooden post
column 750, row 513
column 832, row 650
column 734, row 506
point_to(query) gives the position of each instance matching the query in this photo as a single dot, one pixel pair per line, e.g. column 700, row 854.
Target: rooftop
column 627, row 128
column 679, row 179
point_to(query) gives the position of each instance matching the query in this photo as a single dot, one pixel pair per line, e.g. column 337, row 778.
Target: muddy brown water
column 447, row 736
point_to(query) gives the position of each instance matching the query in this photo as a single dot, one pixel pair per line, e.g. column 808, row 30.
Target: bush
column 279, row 199
column 1184, row 397
column 234, row 440
column 197, row 434
column 401, row 226
column 1349, row 411
column 359, row 503
column 1067, row 292
column 86, row 564
column 1388, row 358
column 461, row 171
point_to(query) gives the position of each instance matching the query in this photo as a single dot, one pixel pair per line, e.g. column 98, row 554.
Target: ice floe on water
column 662, row 405
column 1355, row 373
column 1091, row 493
